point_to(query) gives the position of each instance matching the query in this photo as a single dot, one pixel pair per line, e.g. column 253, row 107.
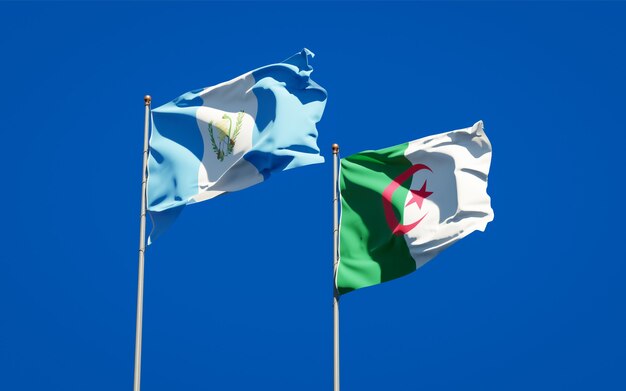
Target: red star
column 419, row 196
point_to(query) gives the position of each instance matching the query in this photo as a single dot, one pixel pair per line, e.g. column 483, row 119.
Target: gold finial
column 335, row 148
column 147, row 99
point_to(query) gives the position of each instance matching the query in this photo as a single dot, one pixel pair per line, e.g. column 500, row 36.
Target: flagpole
column 335, row 262
column 142, row 248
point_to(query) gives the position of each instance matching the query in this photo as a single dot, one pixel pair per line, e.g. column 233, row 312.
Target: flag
column 401, row 206
column 233, row 135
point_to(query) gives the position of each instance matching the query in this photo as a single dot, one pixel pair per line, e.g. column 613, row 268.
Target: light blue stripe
column 289, row 106
column 176, row 150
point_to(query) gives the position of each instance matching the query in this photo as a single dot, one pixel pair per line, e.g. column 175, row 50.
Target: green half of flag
column 401, row 206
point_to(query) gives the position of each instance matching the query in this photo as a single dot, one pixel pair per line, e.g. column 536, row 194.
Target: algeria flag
column 401, row 206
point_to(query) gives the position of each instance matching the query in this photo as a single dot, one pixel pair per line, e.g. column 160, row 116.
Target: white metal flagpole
column 142, row 247
column 335, row 262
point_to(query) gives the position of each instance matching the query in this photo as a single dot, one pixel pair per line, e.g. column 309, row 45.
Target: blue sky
column 238, row 293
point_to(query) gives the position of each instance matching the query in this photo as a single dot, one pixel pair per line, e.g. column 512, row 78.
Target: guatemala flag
column 227, row 137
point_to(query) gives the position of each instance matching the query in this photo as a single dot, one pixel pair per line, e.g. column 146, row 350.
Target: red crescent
column 397, row 228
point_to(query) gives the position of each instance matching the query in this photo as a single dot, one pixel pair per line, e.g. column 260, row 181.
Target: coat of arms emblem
column 226, row 135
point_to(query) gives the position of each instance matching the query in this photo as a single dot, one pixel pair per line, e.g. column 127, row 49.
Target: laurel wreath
column 232, row 139
column 229, row 139
column 213, row 144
